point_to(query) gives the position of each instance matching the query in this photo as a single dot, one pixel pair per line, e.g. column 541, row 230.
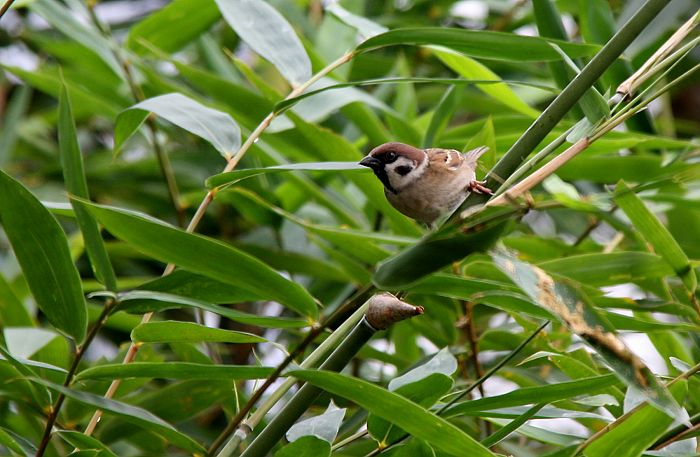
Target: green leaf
column 442, row 247
column 423, row 385
column 42, row 251
column 484, row 137
column 188, row 332
column 479, row 43
column 287, row 103
column 173, row 26
column 307, row 446
column 594, row 106
column 40, row 394
column 574, row 308
column 173, row 370
column 269, row 34
column 204, row 256
column 129, row 413
column 403, row 413
column 46, row 79
column 66, row 21
column 235, row 176
column 143, row 301
column 216, row 127
column 15, row 110
column 324, row 426
column 82, row 441
column 639, row 431
column 16, row 443
column 471, row 69
column 656, row 234
column 609, row 268
column 74, row 177
column 536, row 394
column 516, row 423
column 441, row 116
column 364, row 26
column 13, row 313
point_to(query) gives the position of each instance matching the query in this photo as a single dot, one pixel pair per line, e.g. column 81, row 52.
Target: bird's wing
column 451, row 159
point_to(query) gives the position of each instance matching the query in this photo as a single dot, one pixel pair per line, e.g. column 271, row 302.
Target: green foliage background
column 114, row 131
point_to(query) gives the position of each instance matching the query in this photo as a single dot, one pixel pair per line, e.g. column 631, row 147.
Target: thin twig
column 79, row 352
column 6, row 7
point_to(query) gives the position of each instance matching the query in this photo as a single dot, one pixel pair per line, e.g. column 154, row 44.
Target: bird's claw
column 479, row 187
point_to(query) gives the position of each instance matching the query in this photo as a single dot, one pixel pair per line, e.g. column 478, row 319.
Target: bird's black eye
column 389, row 157
column 403, row 170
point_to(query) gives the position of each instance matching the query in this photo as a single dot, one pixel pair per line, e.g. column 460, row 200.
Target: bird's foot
column 479, row 187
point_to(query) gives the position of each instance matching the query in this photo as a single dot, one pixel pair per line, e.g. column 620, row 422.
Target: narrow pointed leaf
column 270, row 35
column 479, row 43
column 631, row 437
column 188, row 332
column 173, row 26
column 203, row 255
column 416, row 420
column 74, row 177
column 471, row 69
column 569, row 303
column 133, row 414
column 656, row 234
column 174, row 370
column 214, row 126
column 235, row 176
column 143, row 301
column 41, row 248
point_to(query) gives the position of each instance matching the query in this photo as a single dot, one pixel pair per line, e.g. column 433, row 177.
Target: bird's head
column 397, row 165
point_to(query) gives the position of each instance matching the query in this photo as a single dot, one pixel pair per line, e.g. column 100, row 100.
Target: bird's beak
column 371, row 162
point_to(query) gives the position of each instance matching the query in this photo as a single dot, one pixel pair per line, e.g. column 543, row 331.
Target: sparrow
column 425, row 184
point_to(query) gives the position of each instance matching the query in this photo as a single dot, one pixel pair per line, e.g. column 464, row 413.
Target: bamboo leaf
column 173, row 26
column 574, row 308
column 441, row 117
column 82, row 441
column 143, row 301
column 133, row 414
column 270, row 35
column 188, row 332
column 235, row 176
column 479, row 43
column 656, row 234
column 74, row 177
column 324, row 426
column 402, row 412
column 471, row 69
column 634, row 435
column 542, row 394
column 214, row 126
column 42, row 251
column 204, row 256
column 173, row 370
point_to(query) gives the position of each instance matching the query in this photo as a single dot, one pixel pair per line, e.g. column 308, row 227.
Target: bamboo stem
column 570, row 95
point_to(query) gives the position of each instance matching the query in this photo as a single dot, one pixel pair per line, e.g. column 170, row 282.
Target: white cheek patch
column 399, row 181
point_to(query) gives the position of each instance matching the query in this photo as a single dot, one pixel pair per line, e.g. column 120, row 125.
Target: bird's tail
column 473, row 155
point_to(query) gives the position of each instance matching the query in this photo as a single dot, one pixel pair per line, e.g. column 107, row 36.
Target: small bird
column 425, row 184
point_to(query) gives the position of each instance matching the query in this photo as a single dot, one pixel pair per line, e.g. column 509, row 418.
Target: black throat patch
column 384, row 178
